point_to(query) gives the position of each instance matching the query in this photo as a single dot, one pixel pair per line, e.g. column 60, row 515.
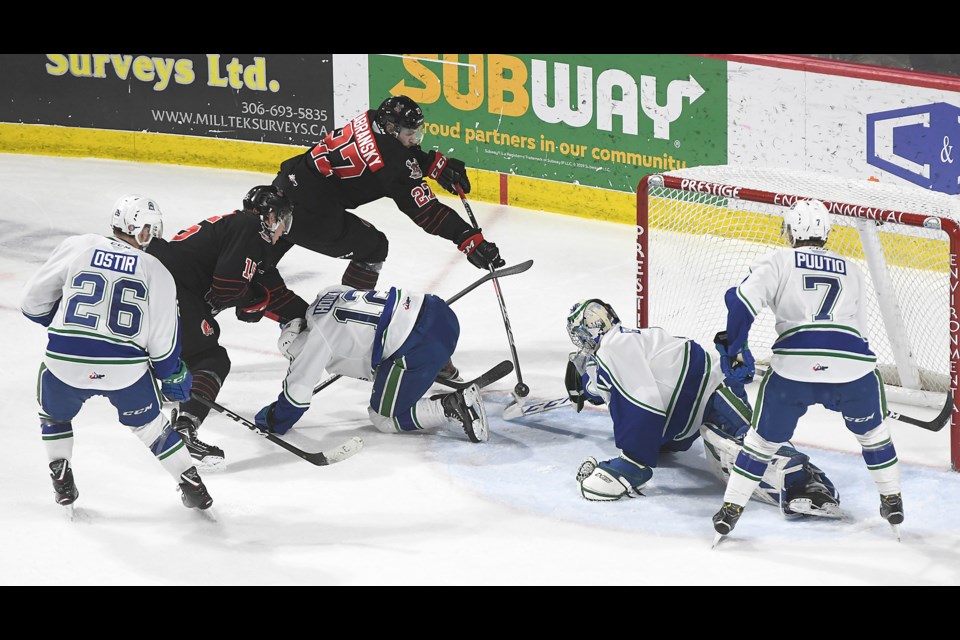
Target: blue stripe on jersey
column 740, row 316
column 689, row 396
column 381, row 334
column 814, row 338
column 91, row 347
column 43, row 318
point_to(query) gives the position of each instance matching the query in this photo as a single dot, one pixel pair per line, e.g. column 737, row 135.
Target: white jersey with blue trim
column 817, row 298
column 349, row 332
column 110, row 312
column 641, row 372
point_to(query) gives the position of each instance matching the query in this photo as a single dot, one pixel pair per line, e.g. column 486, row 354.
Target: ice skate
column 891, row 510
column 206, row 455
column 192, row 490
column 467, row 407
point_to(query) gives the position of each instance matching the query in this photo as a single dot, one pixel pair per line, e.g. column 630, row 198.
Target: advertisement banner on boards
column 599, row 120
column 276, row 98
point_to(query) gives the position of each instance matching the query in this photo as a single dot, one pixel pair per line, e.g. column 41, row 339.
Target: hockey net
column 700, row 229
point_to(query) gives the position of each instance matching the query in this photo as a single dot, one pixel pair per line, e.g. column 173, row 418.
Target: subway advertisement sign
column 601, row 120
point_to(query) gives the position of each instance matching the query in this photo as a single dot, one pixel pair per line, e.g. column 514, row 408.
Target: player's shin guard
column 751, row 464
column 362, row 275
column 165, row 443
column 206, row 383
column 881, row 458
column 57, row 438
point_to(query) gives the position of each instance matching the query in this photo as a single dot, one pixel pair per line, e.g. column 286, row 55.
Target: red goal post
column 699, row 230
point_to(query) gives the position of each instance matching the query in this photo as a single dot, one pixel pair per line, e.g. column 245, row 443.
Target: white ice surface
column 422, row 509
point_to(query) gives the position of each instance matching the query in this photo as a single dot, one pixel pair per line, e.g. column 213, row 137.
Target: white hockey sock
column 166, row 445
column 751, row 464
column 57, row 439
column 881, row 458
column 426, row 414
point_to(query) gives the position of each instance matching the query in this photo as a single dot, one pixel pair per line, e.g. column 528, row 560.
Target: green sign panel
column 601, row 120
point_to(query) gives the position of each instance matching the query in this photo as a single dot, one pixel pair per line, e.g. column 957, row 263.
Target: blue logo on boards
column 916, row 144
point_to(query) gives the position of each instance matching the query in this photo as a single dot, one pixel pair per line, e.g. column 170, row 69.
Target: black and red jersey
column 217, row 258
column 366, row 164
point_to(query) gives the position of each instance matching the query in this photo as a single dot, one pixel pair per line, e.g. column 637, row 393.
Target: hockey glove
column 279, row 417
column 574, row 382
column 449, row 172
column 253, row 308
column 176, row 387
column 739, row 368
column 612, row 479
column 480, row 253
column 263, row 417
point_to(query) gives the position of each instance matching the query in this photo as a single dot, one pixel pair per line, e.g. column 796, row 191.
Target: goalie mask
column 139, row 217
column 806, row 220
column 272, row 206
column 588, row 321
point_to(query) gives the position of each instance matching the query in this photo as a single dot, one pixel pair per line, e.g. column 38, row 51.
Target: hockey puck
column 521, row 390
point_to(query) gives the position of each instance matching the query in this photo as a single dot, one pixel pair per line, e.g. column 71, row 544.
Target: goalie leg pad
column 790, row 476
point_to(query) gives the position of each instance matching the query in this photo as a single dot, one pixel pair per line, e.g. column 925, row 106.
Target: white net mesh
column 700, row 245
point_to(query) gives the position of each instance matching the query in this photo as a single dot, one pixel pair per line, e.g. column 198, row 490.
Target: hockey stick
column 935, row 424
column 497, row 372
column 521, row 390
column 320, row 458
column 499, row 273
column 514, row 410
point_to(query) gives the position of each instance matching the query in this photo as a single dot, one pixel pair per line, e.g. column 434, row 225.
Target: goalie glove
column 612, row 479
column 449, row 172
column 738, row 368
column 574, row 382
column 253, row 308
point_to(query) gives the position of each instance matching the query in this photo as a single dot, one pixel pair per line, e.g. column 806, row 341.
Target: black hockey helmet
column 265, row 199
column 400, row 112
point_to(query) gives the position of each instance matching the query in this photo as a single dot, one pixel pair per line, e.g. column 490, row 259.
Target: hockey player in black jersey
column 222, row 262
column 375, row 155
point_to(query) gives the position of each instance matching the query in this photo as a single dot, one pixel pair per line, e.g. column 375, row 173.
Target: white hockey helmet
column 588, row 321
column 806, row 220
column 133, row 212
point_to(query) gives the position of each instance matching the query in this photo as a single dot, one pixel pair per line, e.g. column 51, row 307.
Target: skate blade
column 716, row 540
column 210, row 463
column 69, row 513
column 207, row 514
column 896, row 531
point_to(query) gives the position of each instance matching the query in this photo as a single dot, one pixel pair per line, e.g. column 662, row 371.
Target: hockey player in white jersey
column 821, row 356
column 664, row 392
column 112, row 330
column 400, row 339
